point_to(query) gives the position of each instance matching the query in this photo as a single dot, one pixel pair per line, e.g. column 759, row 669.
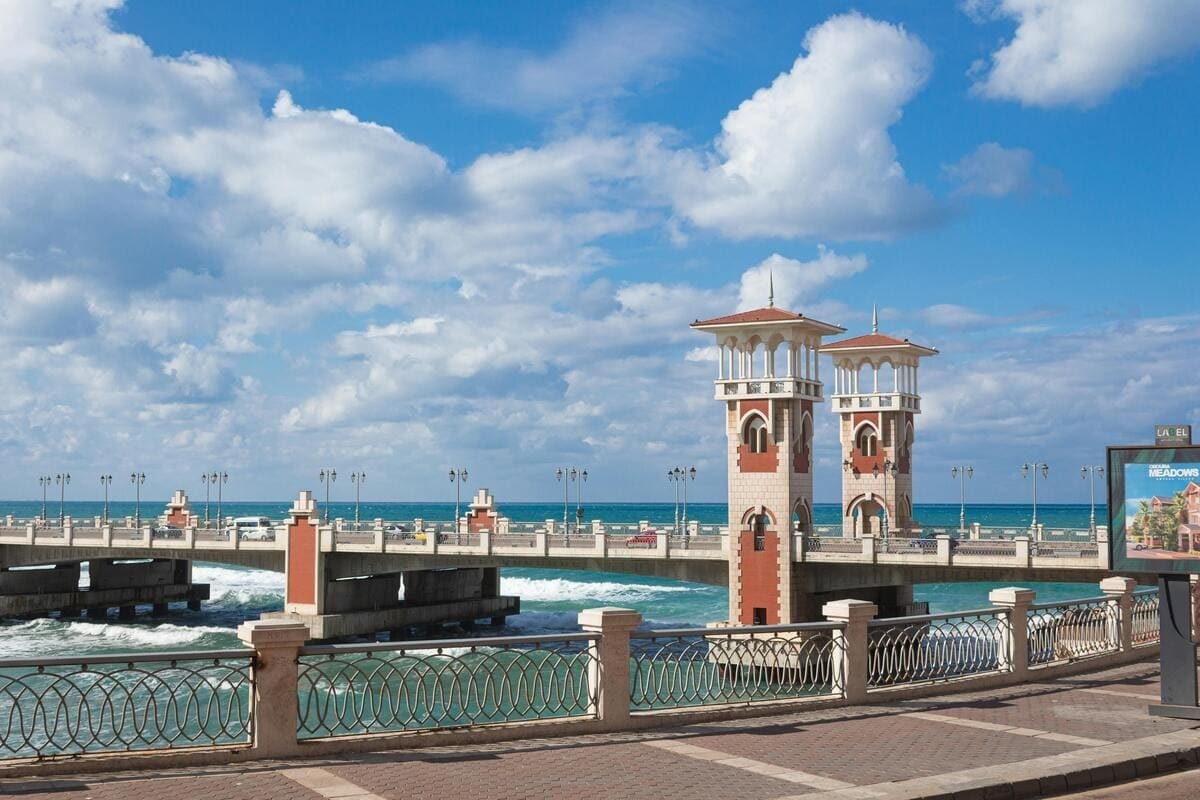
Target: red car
column 648, row 537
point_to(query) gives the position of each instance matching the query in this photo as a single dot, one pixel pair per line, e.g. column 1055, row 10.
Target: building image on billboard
column 1162, row 510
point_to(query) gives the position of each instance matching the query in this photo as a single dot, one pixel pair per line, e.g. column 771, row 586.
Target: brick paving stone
column 597, row 772
column 247, row 785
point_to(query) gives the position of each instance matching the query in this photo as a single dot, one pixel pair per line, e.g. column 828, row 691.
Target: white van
column 254, row 529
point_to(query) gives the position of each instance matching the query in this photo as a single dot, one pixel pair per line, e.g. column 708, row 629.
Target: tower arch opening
column 754, row 434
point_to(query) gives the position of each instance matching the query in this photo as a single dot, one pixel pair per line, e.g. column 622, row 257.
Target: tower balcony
column 877, row 401
column 781, row 388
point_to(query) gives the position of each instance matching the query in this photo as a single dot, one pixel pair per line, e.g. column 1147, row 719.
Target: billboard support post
column 1177, row 650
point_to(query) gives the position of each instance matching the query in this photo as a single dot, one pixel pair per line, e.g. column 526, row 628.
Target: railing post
column 943, row 548
column 106, row 535
column 1102, row 554
column 541, row 543
column 189, row 537
column 1120, row 601
column 661, row 544
column 601, row 544
column 29, row 533
column 550, row 526
column 974, row 530
column 868, row 547
column 1039, row 532
column 852, row 650
column 485, row 542
column 68, row 531
column 276, row 646
column 1013, row 652
column 1021, row 544
column 608, row 674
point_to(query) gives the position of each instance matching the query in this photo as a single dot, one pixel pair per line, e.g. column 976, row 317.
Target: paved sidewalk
column 1067, row 734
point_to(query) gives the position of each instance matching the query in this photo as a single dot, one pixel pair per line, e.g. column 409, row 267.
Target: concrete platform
column 362, row 623
column 20, row 605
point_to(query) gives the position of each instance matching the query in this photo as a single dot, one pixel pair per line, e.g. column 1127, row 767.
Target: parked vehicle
column 646, row 536
column 254, row 529
column 166, row 532
column 402, row 533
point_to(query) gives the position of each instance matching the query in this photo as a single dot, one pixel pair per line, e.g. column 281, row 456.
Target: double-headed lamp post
column 137, row 479
column 458, row 477
column 889, row 468
column 680, row 477
column 327, row 476
column 1092, row 471
column 1035, row 468
column 45, row 481
column 963, row 472
column 583, row 473
column 106, row 481
column 207, row 494
column 565, row 475
column 219, row 479
column 62, row 479
column 357, row 479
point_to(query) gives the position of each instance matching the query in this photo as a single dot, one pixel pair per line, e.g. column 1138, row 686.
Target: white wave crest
column 238, row 585
column 564, row 589
column 50, row 636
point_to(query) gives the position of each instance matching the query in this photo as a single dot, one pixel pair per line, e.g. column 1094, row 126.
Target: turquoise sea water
column 550, row 599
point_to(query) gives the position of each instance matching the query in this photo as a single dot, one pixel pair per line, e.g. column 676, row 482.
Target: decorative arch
column 755, row 434
column 802, row 446
column 866, row 439
column 802, row 515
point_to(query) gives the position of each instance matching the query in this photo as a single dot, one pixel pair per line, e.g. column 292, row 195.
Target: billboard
column 1154, row 509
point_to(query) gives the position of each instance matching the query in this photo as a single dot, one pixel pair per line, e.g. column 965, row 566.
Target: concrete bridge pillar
column 178, row 514
column 304, row 590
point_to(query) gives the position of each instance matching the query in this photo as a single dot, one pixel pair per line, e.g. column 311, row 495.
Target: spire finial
column 874, row 318
column 771, row 296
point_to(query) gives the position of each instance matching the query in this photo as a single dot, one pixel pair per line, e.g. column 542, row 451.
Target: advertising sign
column 1154, row 509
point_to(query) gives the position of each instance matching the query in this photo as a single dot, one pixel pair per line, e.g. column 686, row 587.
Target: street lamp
column 1092, row 471
column 207, row 494
column 579, row 500
column 327, row 476
column 889, row 468
column 137, row 479
column 570, row 473
column 1035, row 468
column 106, row 481
column 62, row 479
column 45, row 481
column 457, row 477
column 963, row 472
column 220, row 479
column 680, row 476
column 357, row 479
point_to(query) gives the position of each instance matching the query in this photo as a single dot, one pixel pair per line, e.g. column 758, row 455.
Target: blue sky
column 271, row 236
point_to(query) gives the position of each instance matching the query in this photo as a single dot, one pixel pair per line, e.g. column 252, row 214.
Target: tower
column 875, row 395
column 768, row 379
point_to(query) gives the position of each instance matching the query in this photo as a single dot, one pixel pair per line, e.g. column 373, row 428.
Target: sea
column 550, row 599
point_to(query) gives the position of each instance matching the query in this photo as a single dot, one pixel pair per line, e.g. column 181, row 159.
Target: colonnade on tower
column 769, row 378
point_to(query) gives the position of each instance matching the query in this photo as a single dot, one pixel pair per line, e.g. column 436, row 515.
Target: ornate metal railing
column 581, row 540
column 936, row 646
column 986, row 547
column 699, row 666
column 905, row 546
column 71, row 706
column 831, row 544
column 353, row 689
column 1145, row 617
column 1073, row 630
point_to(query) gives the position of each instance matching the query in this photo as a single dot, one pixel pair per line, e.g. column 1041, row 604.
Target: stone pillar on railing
column 608, row 673
column 1013, row 649
column 147, row 536
column 693, row 528
column 943, row 548
column 339, row 525
column 485, row 542
column 541, row 542
column 1119, row 592
column 379, row 524
column 95, row 522
column 974, row 530
column 8, row 521
column 106, row 535
column 503, row 525
column 661, row 544
column 550, row 526
column 1039, row 532
column 851, row 650
column 1102, row 554
column 189, row 536
column 418, row 525
column 868, row 547
column 68, row 531
column 597, row 527
column 601, row 544
column 798, row 546
column 276, row 646
column 1021, row 546
column 29, row 533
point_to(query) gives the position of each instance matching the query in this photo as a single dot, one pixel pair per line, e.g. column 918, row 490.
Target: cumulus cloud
column 601, row 58
column 1079, row 52
column 796, row 282
column 992, row 171
column 810, row 154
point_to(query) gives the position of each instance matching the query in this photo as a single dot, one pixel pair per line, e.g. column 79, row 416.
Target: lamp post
column 137, row 479
column 62, row 479
column 207, row 494
column 889, row 468
column 357, row 479
column 680, row 476
column 45, row 481
column 673, row 477
column 106, row 481
column 327, row 476
column 963, row 472
column 457, row 477
column 570, row 474
column 1035, row 467
column 1092, row 471
column 220, row 479
column 579, row 500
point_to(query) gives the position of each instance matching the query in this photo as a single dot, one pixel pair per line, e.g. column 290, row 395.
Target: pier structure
column 876, row 399
column 768, row 378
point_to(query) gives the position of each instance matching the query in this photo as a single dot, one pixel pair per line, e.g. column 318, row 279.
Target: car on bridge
column 402, row 533
column 646, row 536
column 253, row 529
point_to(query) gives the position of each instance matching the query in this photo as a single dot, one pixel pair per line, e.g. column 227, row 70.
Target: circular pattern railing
column 348, row 689
column 1068, row 631
column 1145, row 617
column 694, row 667
column 76, row 706
column 936, row 646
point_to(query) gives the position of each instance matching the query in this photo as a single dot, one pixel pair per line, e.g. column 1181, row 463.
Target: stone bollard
column 1022, row 550
column 1102, row 553
column 1119, row 592
column 661, row 544
column 550, row 526
column 608, row 673
column 485, row 542
column 276, row 710
column 541, row 543
column 851, row 650
column 943, row 548
column 1013, row 652
column 868, row 547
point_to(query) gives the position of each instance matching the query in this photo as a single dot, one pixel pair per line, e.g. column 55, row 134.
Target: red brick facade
column 760, row 576
column 302, row 562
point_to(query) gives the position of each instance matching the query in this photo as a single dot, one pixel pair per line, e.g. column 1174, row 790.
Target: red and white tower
column 875, row 393
column 768, row 378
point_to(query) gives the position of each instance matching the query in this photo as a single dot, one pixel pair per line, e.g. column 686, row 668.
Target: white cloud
column 810, row 155
column 600, row 59
column 1079, row 52
column 796, row 282
column 992, row 171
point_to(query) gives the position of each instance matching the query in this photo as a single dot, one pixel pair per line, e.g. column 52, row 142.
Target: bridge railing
column 937, row 646
column 1069, row 631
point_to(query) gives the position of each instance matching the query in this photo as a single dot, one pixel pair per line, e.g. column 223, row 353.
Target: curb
column 1039, row 777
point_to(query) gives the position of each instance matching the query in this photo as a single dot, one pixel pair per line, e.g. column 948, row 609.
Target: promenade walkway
column 1026, row 741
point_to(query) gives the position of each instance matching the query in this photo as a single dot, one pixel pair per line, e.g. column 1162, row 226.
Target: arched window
column 758, row 525
column 867, row 442
column 755, row 434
